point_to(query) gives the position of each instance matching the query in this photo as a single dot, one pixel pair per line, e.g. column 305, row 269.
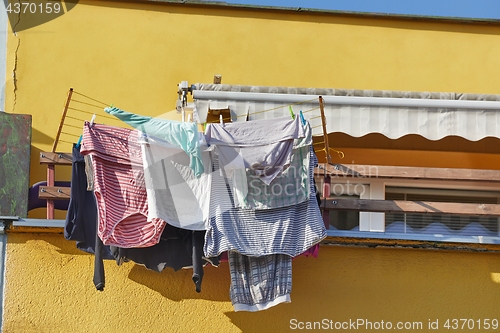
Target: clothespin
column 183, row 115
column 291, row 112
column 302, row 117
column 92, row 120
column 189, row 118
column 221, row 120
column 79, row 142
column 144, row 137
column 247, row 118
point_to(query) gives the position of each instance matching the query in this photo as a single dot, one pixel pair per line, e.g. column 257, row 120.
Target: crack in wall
column 14, row 74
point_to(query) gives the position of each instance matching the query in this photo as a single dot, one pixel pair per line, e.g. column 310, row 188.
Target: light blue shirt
column 180, row 134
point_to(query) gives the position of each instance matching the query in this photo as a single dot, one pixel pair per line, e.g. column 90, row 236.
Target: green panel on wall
column 15, row 148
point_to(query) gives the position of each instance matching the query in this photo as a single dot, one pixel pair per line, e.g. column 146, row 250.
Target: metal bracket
column 6, row 222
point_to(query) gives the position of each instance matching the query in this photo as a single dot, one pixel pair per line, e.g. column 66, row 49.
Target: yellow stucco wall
column 133, row 55
column 96, row 50
column 49, row 289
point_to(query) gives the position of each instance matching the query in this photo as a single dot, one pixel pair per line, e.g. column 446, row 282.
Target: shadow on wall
column 342, row 284
column 178, row 286
column 394, row 285
column 54, row 241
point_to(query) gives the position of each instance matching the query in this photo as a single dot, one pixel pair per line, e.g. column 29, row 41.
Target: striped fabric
column 259, row 283
column 291, row 187
column 183, row 135
column 289, row 230
column 263, row 147
column 119, row 187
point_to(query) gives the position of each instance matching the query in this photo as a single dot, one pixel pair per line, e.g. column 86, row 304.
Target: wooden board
column 56, row 158
column 54, row 192
column 15, row 149
column 390, row 172
column 399, row 206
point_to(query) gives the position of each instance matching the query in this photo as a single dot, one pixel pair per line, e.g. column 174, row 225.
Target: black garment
column 81, row 218
column 178, row 248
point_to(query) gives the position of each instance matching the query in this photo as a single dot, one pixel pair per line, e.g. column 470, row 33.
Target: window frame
column 372, row 224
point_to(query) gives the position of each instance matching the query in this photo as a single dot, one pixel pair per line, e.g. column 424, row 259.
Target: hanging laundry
column 119, row 187
column 180, row 134
column 288, row 230
column 177, row 249
column 258, row 283
column 99, row 274
column 262, row 146
column 81, row 218
column 175, row 194
column 313, row 251
column 89, row 172
column 289, row 188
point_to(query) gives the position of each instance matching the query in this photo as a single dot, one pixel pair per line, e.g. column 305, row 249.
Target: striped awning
column 433, row 115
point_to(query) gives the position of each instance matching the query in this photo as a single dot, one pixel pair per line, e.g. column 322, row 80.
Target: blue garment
column 81, row 219
column 287, row 230
column 181, row 134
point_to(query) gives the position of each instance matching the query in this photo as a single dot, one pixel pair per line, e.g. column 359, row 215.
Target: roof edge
column 222, row 4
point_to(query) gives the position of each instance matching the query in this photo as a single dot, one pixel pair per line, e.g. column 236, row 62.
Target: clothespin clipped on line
column 302, row 117
column 92, row 120
column 221, row 120
column 189, row 118
column 79, row 142
column 291, row 112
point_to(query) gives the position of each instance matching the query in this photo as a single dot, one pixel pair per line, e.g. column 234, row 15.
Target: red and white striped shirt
column 119, row 187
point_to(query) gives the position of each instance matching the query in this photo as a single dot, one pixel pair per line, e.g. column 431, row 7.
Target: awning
column 360, row 112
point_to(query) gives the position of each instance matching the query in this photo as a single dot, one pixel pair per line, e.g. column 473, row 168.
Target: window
column 443, row 207
column 443, row 224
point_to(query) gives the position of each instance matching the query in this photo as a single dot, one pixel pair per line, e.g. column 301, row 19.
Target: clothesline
column 102, row 114
column 283, row 106
column 95, row 100
column 262, row 111
column 88, row 112
column 76, row 101
column 258, row 112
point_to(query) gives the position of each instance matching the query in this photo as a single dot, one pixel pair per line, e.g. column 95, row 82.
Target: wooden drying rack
column 52, row 159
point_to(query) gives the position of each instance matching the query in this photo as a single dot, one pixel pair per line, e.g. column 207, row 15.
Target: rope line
column 93, row 99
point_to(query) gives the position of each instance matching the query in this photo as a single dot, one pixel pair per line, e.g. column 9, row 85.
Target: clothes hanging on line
column 119, row 174
column 81, row 217
column 177, row 249
column 119, row 187
column 181, row 134
column 258, row 283
column 156, row 196
column 289, row 188
column 313, row 251
column 89, row 172
column 175, row 194
column 288, row 230
column 263, row 147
